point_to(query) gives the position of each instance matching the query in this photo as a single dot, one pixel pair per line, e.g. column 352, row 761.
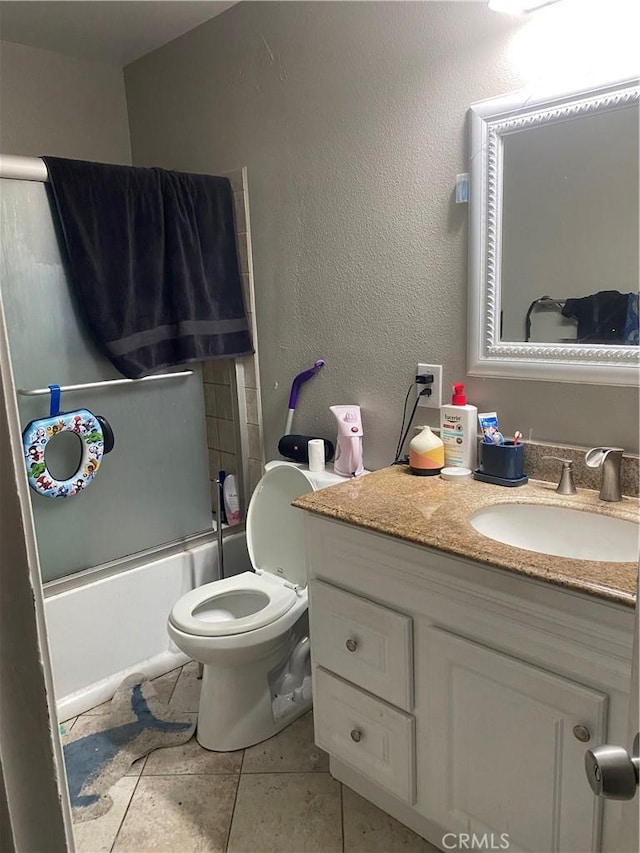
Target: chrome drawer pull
column 356, row 736
column 351, row 645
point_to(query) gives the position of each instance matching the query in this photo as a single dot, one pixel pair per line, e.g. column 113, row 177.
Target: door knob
column 351, row 644
column 612, row 772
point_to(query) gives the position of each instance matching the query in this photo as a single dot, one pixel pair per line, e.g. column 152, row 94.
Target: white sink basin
column 561, row 532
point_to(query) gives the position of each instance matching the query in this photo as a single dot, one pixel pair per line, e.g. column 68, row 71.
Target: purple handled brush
column 300, row 379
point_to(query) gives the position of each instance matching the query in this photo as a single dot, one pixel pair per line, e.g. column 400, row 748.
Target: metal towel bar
column 38, row 392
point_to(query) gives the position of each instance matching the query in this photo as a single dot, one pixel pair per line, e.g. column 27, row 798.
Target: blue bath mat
column 138, row 723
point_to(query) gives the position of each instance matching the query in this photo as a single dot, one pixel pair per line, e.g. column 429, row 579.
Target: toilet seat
column 207, row 611
column 276, row 545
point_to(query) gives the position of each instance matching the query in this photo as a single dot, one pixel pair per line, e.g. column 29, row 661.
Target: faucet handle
column 566, row 486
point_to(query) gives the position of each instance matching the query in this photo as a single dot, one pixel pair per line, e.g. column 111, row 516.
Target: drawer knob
column 351, row 644
column 356, row 736
column 582, row 734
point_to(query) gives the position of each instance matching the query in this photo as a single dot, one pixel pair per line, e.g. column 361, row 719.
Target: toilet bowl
column 250, row 631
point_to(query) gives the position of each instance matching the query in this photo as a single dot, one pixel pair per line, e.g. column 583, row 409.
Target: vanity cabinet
column 502, row 753
column 461, row 698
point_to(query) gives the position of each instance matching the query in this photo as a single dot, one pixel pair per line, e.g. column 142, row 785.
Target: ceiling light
column 518, row 7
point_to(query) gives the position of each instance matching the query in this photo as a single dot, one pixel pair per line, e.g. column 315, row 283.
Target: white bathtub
column 102, row 630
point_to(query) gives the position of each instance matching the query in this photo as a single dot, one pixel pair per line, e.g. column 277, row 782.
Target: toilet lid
column 275, row 532
column 234, row 605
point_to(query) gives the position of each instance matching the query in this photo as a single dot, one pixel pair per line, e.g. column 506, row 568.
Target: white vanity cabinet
column 502, row 753
column 461, row 698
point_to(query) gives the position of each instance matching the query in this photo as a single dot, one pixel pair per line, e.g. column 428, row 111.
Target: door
column 613, row 771
column 503, row 749
column 34, row 802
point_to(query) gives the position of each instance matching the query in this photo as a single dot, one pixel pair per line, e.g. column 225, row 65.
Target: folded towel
column 153, row 263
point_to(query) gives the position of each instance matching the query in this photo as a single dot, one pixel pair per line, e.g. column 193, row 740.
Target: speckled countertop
column 434, row 512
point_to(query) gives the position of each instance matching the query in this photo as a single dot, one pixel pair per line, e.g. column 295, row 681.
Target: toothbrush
column 517, row 436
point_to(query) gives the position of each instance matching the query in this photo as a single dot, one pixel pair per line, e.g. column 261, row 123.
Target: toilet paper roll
column 316, row 454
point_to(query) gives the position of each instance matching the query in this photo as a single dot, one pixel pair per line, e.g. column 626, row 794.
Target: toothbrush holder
column 505, row 461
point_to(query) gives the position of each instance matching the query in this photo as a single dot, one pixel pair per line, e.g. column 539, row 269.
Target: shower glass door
column 153, row 488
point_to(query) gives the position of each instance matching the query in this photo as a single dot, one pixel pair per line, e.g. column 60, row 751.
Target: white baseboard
column 87, row 698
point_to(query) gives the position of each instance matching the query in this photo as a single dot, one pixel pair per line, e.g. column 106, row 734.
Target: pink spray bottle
column 348, row 461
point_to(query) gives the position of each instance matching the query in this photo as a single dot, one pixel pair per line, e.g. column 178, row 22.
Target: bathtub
column 108, row 624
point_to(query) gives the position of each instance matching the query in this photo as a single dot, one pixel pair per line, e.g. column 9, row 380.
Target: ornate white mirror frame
column 491, row 120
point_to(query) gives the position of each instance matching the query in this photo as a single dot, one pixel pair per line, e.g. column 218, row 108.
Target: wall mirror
column 554, row 235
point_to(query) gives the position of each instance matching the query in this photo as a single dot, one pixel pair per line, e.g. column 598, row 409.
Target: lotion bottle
column 231, row 501
column 458, row 431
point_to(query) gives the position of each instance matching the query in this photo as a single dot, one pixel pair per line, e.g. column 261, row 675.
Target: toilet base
column 236, row 712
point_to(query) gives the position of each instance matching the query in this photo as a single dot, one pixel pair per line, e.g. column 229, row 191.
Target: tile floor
column 276, row 797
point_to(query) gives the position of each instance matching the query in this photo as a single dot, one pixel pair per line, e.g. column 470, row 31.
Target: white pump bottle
column 458, row 431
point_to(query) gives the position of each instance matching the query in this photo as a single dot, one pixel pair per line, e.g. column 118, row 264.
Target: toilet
column 250, row 631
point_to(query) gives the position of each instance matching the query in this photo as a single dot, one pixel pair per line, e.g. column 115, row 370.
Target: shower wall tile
column 224, row 405
column 209, row 400
column 218, row 371
column 237, row 180
column 228, row 463
column 255, row 443
column 240, row 212
column 250, row 380
column 243, row 252
column 207, row 371
column 255, row 473
column 253, row 414
column 225, row 397
column 213, row 440
column 227, row 436
column 214, row 464
column 247, row 291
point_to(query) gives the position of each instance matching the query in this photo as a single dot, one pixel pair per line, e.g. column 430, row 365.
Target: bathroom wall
column 61, row 105
column 351, row 119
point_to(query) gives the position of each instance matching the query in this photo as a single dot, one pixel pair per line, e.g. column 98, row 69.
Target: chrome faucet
column 566, row 486
column 610, row 459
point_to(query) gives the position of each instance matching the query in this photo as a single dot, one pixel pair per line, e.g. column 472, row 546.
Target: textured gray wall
column 351, row 118
column 62, row 106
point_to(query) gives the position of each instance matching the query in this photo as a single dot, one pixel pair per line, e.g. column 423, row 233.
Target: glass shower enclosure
column 153, row 488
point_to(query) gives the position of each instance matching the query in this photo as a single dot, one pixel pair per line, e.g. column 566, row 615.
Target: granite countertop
column 433, row 512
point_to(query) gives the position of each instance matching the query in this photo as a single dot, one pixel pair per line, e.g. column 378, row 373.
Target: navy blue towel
column 153, row 263
column 601, row 316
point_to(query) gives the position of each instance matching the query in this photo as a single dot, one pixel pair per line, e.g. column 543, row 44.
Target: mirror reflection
column 569, row 233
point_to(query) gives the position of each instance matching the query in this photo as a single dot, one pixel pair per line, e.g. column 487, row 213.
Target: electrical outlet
column 435, row 400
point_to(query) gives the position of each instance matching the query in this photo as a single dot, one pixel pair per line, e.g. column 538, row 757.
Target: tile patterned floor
column 276, row 797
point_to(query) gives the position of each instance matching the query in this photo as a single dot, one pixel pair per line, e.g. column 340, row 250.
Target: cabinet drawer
column 363, row 642
column 376, row 739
